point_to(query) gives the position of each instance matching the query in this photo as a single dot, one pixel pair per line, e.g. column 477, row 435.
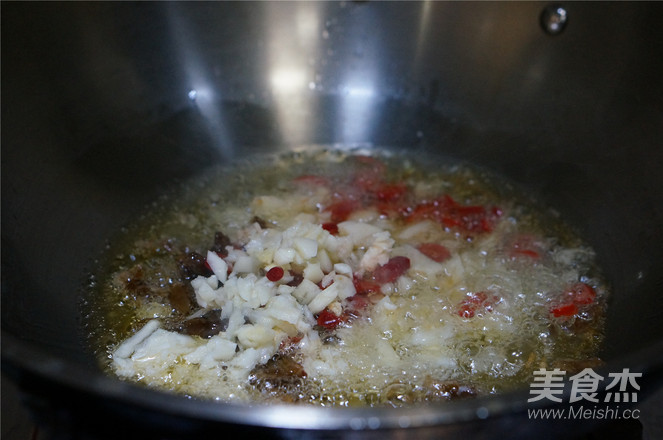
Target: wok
column 106, row 105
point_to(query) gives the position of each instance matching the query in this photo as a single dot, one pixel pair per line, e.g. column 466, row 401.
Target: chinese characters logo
column 549, row 384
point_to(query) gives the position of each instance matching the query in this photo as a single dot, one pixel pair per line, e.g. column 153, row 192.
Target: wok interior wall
column 106, row 104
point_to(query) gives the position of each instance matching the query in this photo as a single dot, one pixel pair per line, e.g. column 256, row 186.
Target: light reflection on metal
column 360, row 91
column 294, row 35
column 200, row 93
column 422, row 32
column 358, row 111
column 288, row 80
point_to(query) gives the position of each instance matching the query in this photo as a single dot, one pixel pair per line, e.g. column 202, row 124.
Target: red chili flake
column 275, row 273
column 582, row 293
column 391, row 199
column 449, row 213
column 434, row 251
column 534, row 255
column 419, row 212
column 392, row 270
column 358, row 302
column 391, row 192
column 466, row 311
column 328, row 319
column 578, row 294
column 290, row 342
column 526, row 245
column 471, row 218
column 474, row 302
column 366, row 182
column 477, row 298
column 330, row 227
column 341, row 210
column 364, row 286
column 370, row 173
column 565, row 310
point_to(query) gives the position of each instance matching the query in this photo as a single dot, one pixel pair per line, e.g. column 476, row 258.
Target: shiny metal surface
column 106, row 104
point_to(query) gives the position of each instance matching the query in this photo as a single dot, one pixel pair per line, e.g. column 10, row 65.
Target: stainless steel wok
column 105, row 105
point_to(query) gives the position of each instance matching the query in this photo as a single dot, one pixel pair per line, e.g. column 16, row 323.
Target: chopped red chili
column 275, row 273
column 582, row 293
column 358, row 302
column 466, row 311
column 451, row 214
column 329, row 319
column 364, row 286
column 527, row 246
column 392, row 270
column 289, row 342
column 475, row 302
column 391, row 192
column 341, row 210
column 330, row 227
column 525, row 253
column 565, row 310
column 434, row 251
column 575, row 295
